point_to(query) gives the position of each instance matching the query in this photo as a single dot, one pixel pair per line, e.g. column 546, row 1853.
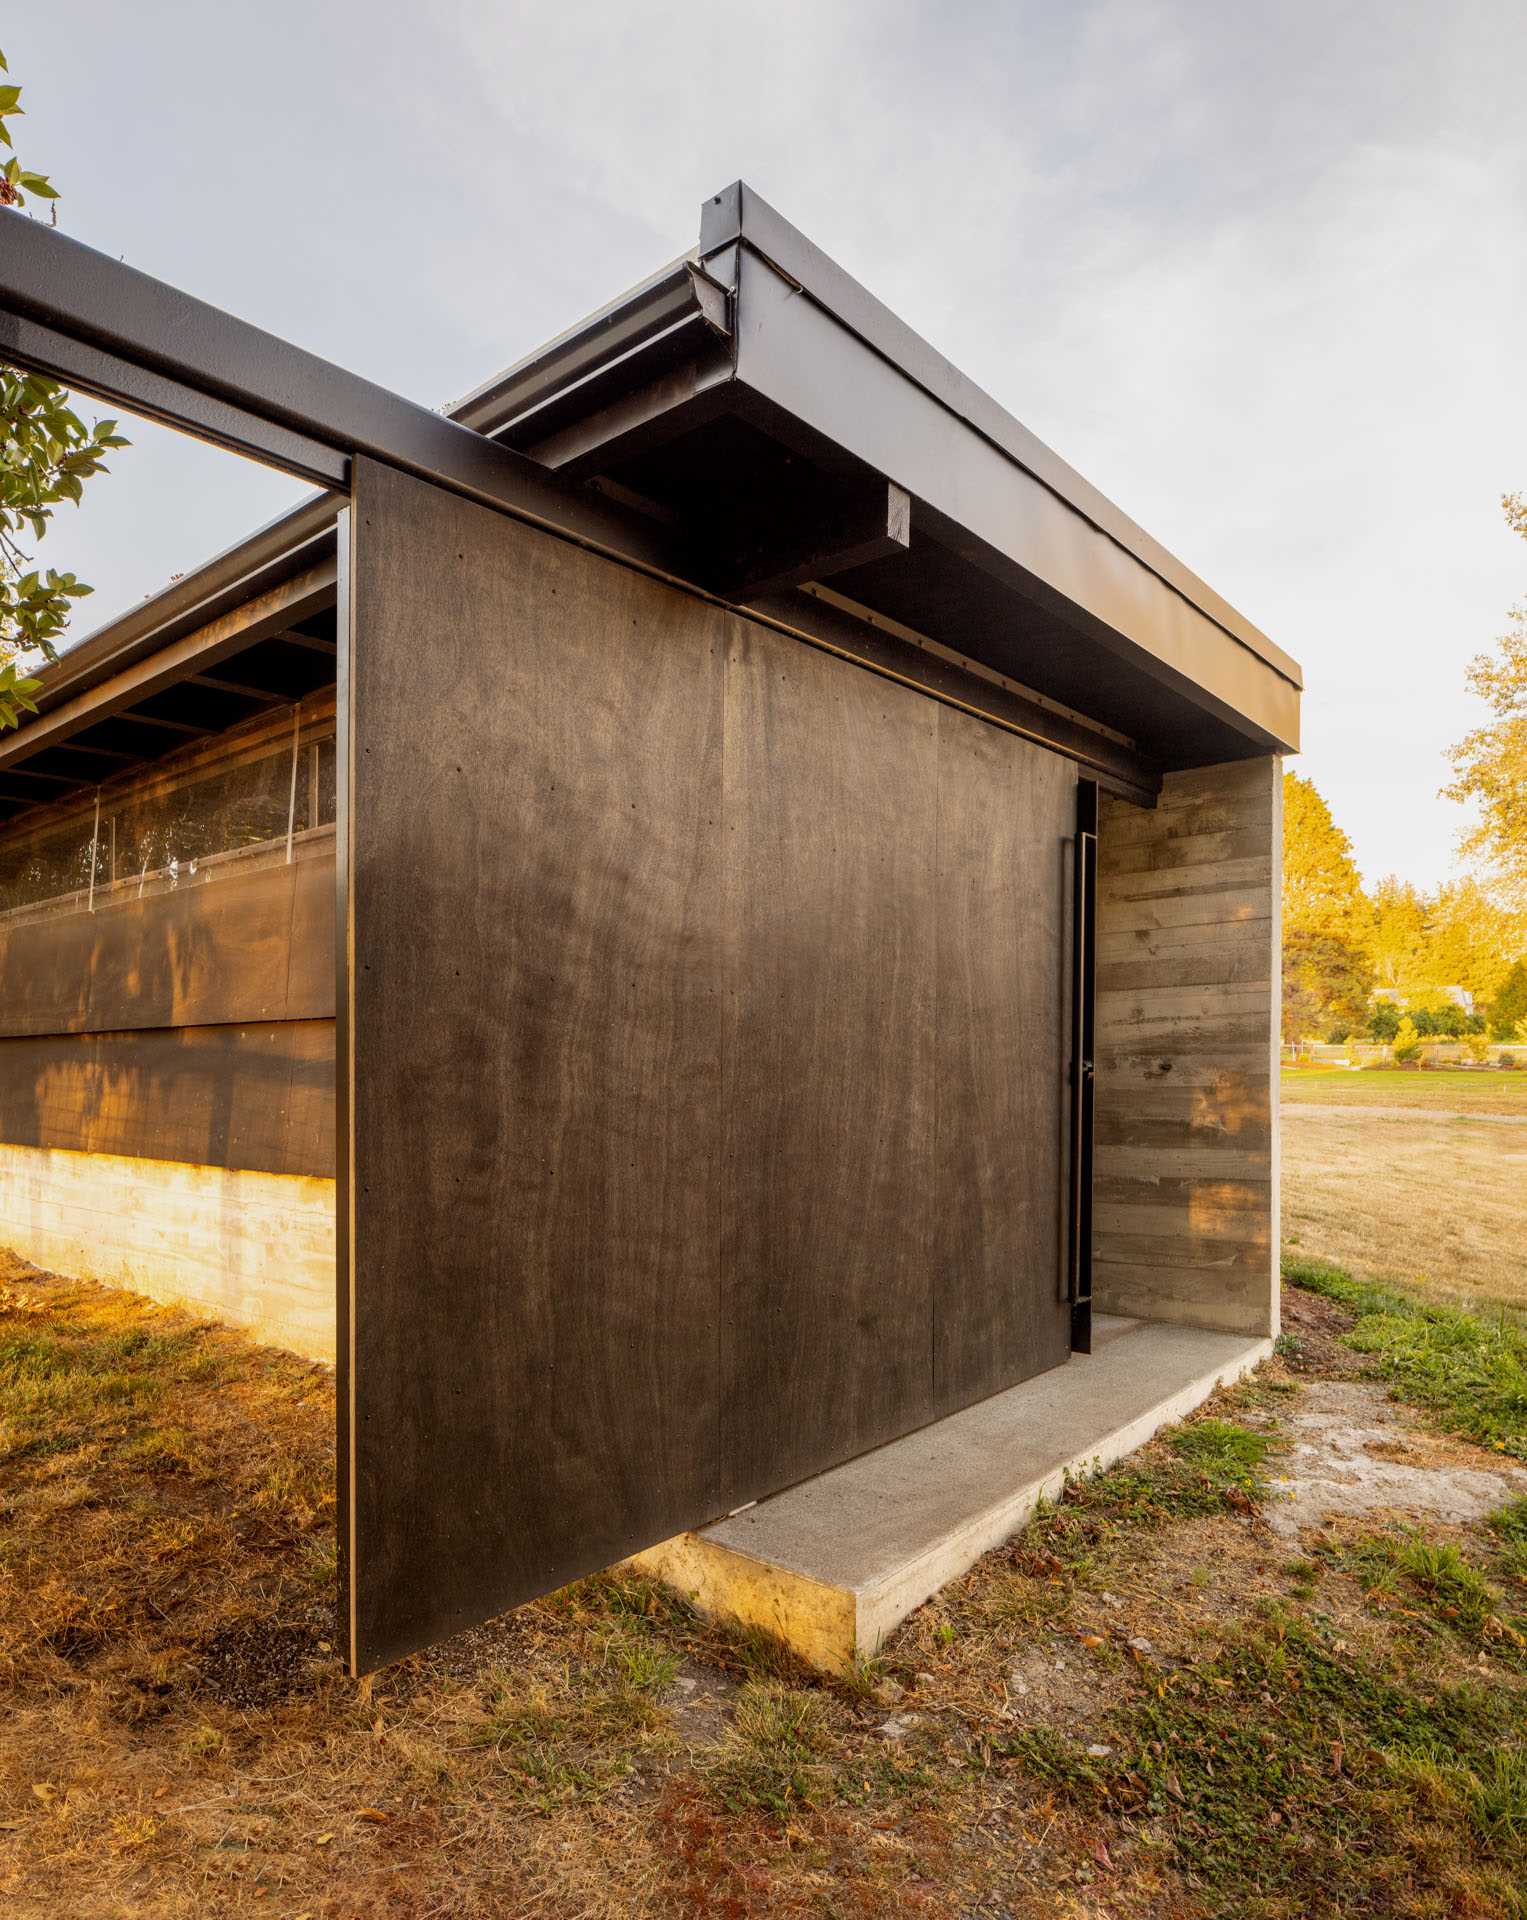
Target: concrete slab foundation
column 833, row 1565
column 253, row 1249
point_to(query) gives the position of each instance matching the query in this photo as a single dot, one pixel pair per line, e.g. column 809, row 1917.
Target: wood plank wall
column 1189, row 898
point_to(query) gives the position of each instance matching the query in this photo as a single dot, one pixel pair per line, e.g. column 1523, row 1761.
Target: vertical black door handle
column 1082, row 1065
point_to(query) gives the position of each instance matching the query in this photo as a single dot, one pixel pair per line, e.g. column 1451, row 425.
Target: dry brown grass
column 1436, row 1205
column 176, row 1740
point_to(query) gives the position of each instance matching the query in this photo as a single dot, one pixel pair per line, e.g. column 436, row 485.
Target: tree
column 1398, row 938
column 1471, row 940
column 1407, row 1041
column 1326, row 984
column 1384, row 1021
column 1327, row 921
column 1322, row 889
column 1490, row 763
column 1509, row 1008
column 47, row 453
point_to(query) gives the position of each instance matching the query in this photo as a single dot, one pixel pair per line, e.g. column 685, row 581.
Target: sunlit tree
column 47, row 453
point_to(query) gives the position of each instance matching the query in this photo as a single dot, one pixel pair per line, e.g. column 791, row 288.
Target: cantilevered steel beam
column 110, row 330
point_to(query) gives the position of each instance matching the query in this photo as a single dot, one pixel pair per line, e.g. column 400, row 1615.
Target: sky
column 1258, row 273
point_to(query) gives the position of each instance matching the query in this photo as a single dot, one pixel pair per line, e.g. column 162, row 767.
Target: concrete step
column 833, row 1565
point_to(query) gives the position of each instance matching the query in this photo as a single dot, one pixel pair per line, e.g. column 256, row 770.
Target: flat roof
column 735, row 422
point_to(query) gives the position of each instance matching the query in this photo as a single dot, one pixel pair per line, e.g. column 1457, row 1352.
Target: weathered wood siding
column 1187, row 1091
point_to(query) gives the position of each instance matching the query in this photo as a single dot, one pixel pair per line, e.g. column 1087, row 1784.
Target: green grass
column 1436, row 1578
column 1509, row 1525
column 776, row 1752
column 1469, row 1372
column 576, row 1745
column 1290, row 1775
column 1275, row 1768
column 1460, row 1089
column 59, row 1392
column 1227, row 1455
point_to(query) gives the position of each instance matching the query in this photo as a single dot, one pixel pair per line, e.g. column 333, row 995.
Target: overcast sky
column 1259, row 273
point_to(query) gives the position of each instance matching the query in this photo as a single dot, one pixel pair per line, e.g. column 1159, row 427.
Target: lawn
column 1149, row 1706
column 1410, row 1177
column 1454, row 1089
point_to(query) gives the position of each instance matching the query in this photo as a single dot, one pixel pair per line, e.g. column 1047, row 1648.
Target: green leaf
column 38, row 183
column 10, row 98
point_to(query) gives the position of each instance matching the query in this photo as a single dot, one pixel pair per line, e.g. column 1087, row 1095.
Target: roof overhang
column 748, row 422
column 1014, row 559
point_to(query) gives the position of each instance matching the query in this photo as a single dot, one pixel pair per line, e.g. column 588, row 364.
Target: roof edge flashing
column 739, row 216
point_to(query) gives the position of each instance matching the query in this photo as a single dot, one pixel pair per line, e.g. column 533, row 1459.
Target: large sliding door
column 701, row 1050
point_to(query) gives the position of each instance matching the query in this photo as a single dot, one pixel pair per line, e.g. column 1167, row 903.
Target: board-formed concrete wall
column 253, row 1249
column 1186, row 1196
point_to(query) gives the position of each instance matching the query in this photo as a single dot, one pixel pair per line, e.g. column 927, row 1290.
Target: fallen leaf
column 323, row 1839
column 374, row 1814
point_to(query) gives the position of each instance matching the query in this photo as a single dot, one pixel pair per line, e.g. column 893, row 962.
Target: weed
column 1057, row 1761
column 863, row 1677
column 1471, row 1373
column 1492, row 1798
column 319, row 1565
column 1510, row 1521
column 1456, row 1594
column 204, row 1741
column 643, row 1665
column 568, row 1746
column 775, row 1752
column 1226, row 1454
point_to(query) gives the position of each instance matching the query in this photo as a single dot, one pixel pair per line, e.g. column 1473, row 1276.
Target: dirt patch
column 1056, row 1685
column 699, row 1703
column 257, row 1663
column 1313, row 1342
column 1348, row 1453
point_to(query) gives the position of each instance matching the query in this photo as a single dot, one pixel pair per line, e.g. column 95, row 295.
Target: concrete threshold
column 833, row 1565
